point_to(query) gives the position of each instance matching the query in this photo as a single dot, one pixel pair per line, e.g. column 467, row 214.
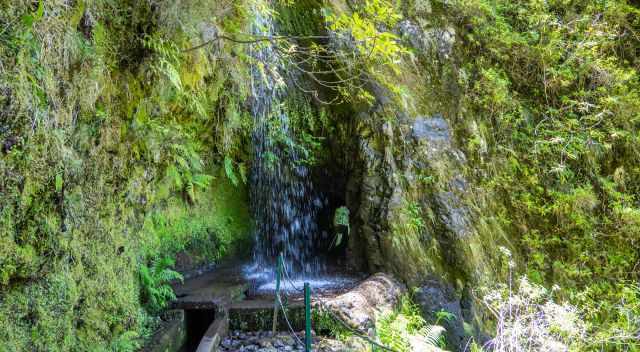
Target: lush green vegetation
column 401, row 329
column 554, row 90
column 546, row 109
column 124, row 157
column 112, row 141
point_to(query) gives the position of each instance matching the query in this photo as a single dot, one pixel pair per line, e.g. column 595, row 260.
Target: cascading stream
column 282, row 197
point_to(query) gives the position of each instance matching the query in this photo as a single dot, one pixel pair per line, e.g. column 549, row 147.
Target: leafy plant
column 528, row 319
column 229, row 171
column 325, row 324
column 406, row 330
column 156, row 291
column 416, row 222
column 443, row 315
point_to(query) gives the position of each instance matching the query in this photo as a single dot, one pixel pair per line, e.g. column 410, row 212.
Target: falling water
column 282, row 198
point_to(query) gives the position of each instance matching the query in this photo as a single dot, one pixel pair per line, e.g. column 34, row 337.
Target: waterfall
column 282, row 200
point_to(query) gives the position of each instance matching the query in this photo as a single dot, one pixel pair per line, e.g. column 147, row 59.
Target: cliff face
column 487, row 153
column 110, row 166
column 418, row 212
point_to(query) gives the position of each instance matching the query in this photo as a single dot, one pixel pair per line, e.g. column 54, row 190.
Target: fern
column 174, row 176
column 202, row 180
column 184, row 173
column 228, row 169
column 405, row 329
column 155, row 282
column 433, row 335
column 172, row 74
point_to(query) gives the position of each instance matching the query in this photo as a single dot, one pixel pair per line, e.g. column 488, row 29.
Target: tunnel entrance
column 197, row 321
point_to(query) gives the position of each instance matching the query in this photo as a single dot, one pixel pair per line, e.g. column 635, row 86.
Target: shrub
column 406, row 330
column 528, row 320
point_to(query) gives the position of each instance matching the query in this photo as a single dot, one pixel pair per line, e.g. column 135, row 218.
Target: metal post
column 307, row 317
column 275, row 305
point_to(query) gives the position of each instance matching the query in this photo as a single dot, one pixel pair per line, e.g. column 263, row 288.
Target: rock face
column 435, row 129
column 171, row 335
column 417, row 215
column 435, row 297
column 437, row 41
column 416, row 212
column 359, row 307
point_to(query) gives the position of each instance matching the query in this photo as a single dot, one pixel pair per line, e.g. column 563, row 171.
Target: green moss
column 111, row 134
column 300, row 18
column 216, row 225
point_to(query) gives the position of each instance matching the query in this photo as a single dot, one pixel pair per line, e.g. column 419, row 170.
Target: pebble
column 265, row 341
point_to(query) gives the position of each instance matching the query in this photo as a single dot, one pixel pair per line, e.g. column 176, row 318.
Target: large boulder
column 379, row 294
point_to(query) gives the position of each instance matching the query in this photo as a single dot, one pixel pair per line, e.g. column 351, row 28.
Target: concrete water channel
column 226, row 299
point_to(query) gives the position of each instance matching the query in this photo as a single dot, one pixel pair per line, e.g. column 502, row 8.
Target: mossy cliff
column 453, row 132
column 506, row 135
column 112, row 147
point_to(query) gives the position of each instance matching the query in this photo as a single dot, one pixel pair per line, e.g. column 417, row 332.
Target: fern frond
column 228, row 169
column 174, row 176
column 202, row 180
column 431, row 334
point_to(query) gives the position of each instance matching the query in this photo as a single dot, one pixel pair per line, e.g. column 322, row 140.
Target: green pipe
column 307, row 317
column 279, row 265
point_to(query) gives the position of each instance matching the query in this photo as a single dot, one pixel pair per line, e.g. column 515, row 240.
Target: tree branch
column 256, row 39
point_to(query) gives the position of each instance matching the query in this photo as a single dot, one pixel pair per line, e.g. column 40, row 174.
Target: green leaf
column 173, row 75
column 174, row 176
column 191, row 191
column 40, row 11
column 202, row 180
column 59, row 183
column 228, row 169
column 27, row 20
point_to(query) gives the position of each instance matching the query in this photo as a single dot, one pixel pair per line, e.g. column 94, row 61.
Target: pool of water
column 262, row 281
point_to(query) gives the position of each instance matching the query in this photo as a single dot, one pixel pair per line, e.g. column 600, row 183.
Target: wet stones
column 266, row 341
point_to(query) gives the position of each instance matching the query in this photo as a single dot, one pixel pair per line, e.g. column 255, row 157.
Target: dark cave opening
column 197, row 321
